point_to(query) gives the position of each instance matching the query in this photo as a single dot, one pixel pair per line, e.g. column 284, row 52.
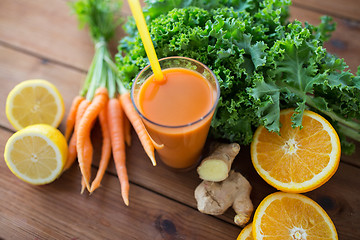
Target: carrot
column 115, row 122
column 127, row 131
column 71, row 153
column 105, row 150
column 88, row 154
column 72, row 144
column 70, row 120
column 83, row 132
column 138, row 125
column 83, row 185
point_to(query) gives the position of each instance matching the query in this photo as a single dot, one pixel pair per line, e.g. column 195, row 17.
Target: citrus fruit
column 292, row 216
column 32, row 102
column 36, row 154
column 297, row 160
column 246, row 233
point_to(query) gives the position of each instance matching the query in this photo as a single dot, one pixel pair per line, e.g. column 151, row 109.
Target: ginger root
column 217, row 165
column 216, row 197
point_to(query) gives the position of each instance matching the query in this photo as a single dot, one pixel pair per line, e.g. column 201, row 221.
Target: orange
column 246, row 233
column 291, row 216
column 297, row 160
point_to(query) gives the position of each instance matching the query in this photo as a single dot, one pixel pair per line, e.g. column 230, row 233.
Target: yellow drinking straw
column 145, row 37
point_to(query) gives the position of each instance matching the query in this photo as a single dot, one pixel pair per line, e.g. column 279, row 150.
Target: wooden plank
column 339, row 190
column 178, row 186
column 354, row 158
column 344, row 42
column 341, row 44
column 46, row 29
column 50, row 30
column 16, row 67
column 338, row 196
column 67, row 80
column 59, row 211
column 183, row 184
column 347, row 9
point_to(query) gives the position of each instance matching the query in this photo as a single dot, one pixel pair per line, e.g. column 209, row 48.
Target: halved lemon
column 246, row 233
column 36, row 154
column 33, row 102
column 297, row 160
column 292, row 216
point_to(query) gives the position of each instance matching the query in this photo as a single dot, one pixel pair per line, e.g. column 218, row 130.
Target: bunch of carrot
column 103, row 97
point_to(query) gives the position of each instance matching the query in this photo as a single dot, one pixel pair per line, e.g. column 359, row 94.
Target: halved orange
column 292, row 216
column 297, row 160
column 246, row 233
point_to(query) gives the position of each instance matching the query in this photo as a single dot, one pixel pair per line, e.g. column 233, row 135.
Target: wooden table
column 40, row 39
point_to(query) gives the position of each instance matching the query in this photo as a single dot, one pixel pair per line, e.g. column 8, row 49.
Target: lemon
column 32, row 102
column 36, row 154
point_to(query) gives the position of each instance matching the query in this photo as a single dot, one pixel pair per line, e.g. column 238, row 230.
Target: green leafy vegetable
column 100, row 17
column 263, row 62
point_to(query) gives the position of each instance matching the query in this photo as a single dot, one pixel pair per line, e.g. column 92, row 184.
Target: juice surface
column 184, row 97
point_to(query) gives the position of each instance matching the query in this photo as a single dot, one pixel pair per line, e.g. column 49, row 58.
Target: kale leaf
column 263, row 63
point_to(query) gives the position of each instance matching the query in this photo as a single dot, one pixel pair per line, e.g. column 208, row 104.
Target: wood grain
column 59, row 211
column 347, row 9
column 50, row 30
column 338, row 196
column 47, row 30
column 338, row 190
column 17, row 66
column 353, row 159
column 344, row 42
column 41, row 40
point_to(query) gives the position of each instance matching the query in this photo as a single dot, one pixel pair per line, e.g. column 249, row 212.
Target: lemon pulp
column 36, row 154
column 33, row 102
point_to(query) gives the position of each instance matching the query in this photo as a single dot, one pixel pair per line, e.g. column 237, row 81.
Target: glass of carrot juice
column 177, row 110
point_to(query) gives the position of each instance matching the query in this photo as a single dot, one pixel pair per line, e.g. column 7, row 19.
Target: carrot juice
column 177, row 113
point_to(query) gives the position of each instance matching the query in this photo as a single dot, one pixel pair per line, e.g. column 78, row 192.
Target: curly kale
column 263, row 63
